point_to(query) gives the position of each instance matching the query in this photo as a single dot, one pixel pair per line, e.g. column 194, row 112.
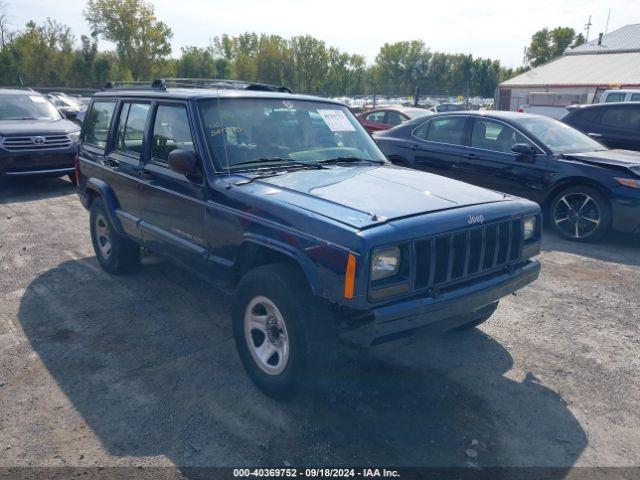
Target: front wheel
column 580, row 213
column 285, row 336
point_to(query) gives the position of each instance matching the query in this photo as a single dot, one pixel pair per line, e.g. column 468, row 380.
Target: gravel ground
column 141, row 369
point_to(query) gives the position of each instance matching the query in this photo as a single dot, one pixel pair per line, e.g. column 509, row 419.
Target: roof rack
column 164, row 83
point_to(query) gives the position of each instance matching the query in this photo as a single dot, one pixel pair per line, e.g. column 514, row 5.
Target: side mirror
column 184, row 162
column 70, row 114
column 523, row 149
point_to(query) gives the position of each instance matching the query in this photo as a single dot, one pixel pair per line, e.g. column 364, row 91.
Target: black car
column 617, row 125
column 287, row 198
column 585, row 187
column 35, row 139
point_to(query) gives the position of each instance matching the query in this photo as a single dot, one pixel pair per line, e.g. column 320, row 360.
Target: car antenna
column 224, row 142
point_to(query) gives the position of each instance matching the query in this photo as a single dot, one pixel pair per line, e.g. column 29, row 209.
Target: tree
column 579, row 40
column 141, row 39
column 549, row 44
column 196, row 63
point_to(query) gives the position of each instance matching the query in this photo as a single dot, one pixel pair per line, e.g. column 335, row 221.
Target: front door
column 173, row 205
column 490, row 162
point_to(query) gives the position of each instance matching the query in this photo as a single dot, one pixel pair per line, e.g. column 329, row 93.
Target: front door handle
column 471, row 155
column 146, row 175
column 594, row 135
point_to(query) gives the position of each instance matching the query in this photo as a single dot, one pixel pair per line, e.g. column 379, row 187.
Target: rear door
column 123, row 161
column 439, row 146
column 620, row 126
column 173, row 205
column 490, row 162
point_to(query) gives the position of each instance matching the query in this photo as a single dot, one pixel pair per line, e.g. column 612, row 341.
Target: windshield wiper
column 283, row 162
column 350, row 160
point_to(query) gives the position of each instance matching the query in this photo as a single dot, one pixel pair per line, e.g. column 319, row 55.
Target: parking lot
column 141, row 369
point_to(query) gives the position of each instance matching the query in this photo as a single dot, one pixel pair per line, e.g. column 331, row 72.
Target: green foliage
column 49, row 55
column 549, row 44
column 141, row 39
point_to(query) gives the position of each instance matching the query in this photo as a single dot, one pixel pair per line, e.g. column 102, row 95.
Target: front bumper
column 442, row 313
column 49, row 163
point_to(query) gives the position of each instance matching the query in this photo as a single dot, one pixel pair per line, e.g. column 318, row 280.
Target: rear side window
column 447, row 130
column 421, row 131
column 97, row 122
column 615, row 97
column 394, row 118
column 635, row 97
column 586, row 115
column 622, row 117
column 377, row 117
column 130, row 135
column 170, row 131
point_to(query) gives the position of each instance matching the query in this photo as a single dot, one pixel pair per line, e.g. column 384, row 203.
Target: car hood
column 361, row 196
column 611, row 158
column 36, row 127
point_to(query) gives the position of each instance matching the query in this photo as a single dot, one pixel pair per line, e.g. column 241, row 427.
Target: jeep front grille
column 35, row 142
column 454, row 257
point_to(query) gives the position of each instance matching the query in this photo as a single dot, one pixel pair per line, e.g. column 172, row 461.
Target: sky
column 498, row 29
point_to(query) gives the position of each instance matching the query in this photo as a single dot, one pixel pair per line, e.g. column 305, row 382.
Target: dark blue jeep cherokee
column 289, row 199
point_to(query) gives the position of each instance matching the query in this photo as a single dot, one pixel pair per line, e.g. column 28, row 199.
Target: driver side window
column 495, row 136
column 170, row 131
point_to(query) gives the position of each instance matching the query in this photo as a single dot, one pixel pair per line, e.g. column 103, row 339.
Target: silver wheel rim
column 266, row 335
column 103, row 236
column 577, row 215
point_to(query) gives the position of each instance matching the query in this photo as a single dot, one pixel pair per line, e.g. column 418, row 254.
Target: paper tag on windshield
column 336, row 120
column 37, row 99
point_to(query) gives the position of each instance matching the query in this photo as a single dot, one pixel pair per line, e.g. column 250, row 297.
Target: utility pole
column 588, row 27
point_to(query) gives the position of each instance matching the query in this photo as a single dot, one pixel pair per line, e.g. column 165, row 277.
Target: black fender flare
column 100, row 188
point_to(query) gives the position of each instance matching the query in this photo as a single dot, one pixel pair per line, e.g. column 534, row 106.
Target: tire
column 116, row 254
column 285, row 337
column 580, row 213
column 479, row 320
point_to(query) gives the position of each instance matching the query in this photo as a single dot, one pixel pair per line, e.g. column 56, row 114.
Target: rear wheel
column 580, row 213
column 285, row 336
column 116, row 254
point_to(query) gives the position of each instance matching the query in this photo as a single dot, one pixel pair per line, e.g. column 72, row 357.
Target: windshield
column 249, row 133
column 559, row 137
column 27, row 107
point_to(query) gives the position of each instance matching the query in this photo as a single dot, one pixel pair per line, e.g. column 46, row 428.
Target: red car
column 384, row 118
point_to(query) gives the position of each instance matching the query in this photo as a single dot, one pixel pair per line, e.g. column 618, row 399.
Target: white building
column 580, row 75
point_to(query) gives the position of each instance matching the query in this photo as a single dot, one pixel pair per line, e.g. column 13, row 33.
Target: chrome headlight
column 529, row 227
column 74, row 136
column 385, row 263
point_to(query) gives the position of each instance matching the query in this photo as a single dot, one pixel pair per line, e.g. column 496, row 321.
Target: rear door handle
column 146, row 175
column 471, row 155
column 594, row 135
